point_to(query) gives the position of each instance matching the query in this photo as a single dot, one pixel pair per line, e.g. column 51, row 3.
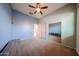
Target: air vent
column 30, row 13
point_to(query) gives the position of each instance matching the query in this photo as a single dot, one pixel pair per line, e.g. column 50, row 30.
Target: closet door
column 42, row 31
column 39, row 31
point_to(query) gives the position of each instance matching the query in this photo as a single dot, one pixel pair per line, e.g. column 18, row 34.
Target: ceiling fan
column 38, row 8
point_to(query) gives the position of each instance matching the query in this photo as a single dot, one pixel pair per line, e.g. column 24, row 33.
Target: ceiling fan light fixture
column 38, row 9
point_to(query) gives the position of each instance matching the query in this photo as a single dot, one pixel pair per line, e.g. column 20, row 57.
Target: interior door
column 42, row 31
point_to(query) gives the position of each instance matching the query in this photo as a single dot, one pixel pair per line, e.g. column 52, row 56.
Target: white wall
column 5, row 24
column 77, row 44
column 23, row 26
column 66, row 16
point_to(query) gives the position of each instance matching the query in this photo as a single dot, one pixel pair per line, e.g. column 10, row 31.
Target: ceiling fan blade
column 45, row 7
column 35, row 12
column 41, row 12
column 31, row 6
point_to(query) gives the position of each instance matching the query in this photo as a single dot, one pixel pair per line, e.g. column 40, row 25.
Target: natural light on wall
column 36, row 31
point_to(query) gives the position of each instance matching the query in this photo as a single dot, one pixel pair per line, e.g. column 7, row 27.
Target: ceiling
column 23, row 8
